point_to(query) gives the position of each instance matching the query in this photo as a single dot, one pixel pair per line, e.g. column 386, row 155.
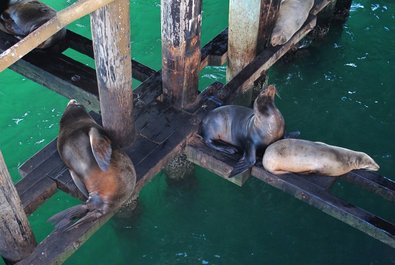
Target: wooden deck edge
column 220, row 164
column 356, row 217
column 373, row 182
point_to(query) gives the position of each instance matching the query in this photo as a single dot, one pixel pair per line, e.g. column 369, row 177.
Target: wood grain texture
column 17, row 239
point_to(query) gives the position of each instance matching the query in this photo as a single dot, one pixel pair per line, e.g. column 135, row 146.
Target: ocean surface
column 339, row 91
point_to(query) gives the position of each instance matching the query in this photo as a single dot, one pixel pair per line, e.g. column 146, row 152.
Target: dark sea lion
column 103, row 173
column 302, row 156
column 291, row 16
column 20, row 18
column 233, row 128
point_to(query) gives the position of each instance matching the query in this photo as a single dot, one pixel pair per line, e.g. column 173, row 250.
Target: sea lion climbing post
column 102, row 172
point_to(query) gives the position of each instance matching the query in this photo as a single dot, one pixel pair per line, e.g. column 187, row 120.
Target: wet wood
column 111, row 45
column 17, row 239
column 62, row 19
column 300, row 188
column 181, row 26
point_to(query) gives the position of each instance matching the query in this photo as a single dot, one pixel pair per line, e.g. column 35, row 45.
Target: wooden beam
column 62, row 19
column 111, row 44
column 181, row 26
column 214, row 53
column 16, row 237
column 373, row 182
column 315, row 196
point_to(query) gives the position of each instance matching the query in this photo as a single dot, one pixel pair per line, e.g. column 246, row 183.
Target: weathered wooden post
column 111, row 44
column 181, row 27
column 16, row 237
column 250, row 27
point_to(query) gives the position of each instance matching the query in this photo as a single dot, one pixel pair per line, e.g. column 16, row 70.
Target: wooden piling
column 250, row 27
column 111, row 44
column 16, row 237
column 181, row 27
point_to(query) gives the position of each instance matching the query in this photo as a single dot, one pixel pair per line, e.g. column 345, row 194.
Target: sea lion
column 22, row 17
column 102, row 172
column 234, row 128
column 291, row 16
column 302, row 156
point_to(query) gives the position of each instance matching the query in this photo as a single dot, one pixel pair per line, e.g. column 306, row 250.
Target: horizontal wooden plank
column 84, row 46
column 37, row 159
column 373, row 182
column 316, row 196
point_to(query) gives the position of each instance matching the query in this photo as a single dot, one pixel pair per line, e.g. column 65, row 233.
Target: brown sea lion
column 22, row 17
column 291, row 16
column 234, row 128
column 302, row 156
column 102, row 172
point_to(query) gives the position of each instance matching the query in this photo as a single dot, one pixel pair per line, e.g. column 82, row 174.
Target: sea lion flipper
column 79, row 184
column 101, row 148
column 222, row 146
column 241, row 166
column 64, row 218
column 89, row 217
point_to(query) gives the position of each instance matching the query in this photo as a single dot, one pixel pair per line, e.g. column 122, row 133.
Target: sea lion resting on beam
column 103, row 173
column 302, row 156
column 232, row 128
column 292, row 14
column 21, row 17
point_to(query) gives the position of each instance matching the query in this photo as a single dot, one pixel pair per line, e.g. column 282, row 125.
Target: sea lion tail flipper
column 292, row 135
column 101, row 148
column 64, row 218
column 89, row 217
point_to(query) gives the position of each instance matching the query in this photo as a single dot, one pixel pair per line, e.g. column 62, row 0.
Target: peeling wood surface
column 181, row 26
column 114, row 69
column 17, row 239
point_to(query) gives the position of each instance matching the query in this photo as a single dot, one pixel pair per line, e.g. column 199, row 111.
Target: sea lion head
column 364, row 161
column 278, row 38
column 73, row 112
column 24, row 17
column 265, row 100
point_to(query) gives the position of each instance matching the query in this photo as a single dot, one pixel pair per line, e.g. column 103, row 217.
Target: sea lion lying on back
column 103, row 173
column 21, row 17
column 291, row 16
column 302, row 156
column 234, row 128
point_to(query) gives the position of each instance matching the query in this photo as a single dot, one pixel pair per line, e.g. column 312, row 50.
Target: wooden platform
column 163, row 132
column 312, row 189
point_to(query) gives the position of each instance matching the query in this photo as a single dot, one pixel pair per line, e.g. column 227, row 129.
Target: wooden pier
column 163, row 114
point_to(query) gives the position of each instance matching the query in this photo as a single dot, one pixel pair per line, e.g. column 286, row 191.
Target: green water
column 339, row 92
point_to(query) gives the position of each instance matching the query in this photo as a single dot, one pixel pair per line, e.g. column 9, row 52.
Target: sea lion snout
column 72, row 102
